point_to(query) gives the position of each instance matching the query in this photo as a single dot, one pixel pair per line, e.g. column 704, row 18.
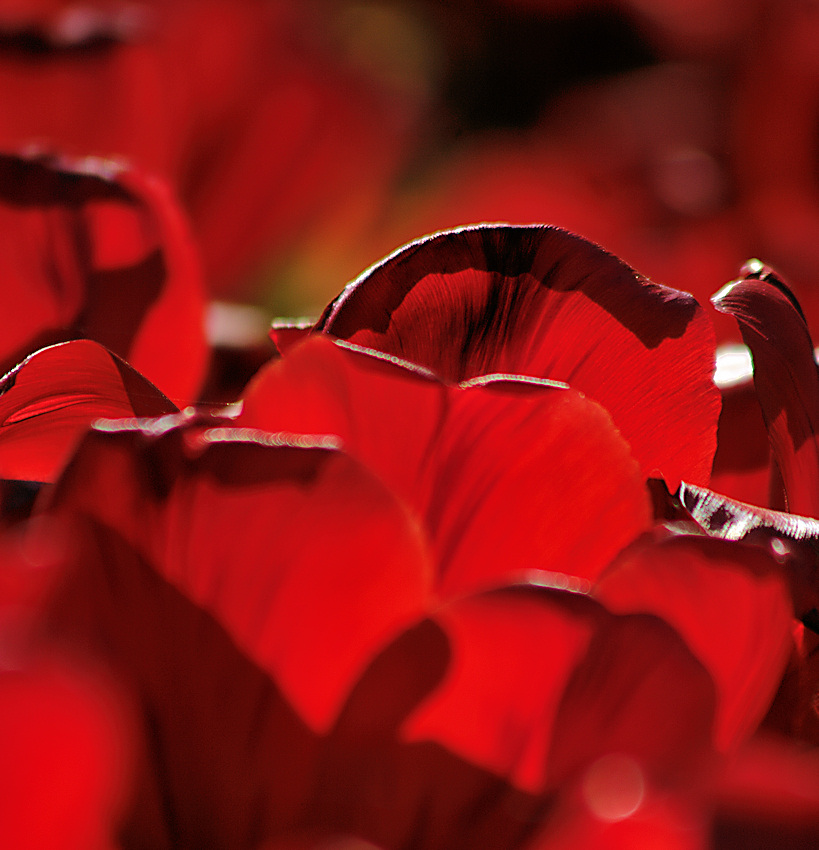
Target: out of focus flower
column 251, row 110
column 97, row 250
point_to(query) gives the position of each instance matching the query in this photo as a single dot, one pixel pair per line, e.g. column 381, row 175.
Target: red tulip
column 237, row 104
column 541, row 302
column 300, row 676
column 95, row 250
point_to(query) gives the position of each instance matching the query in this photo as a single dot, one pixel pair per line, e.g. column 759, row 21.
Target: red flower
column 95, row 250
column 237, row 104
column 396, row 641
column 539, row 301
column 300, row 676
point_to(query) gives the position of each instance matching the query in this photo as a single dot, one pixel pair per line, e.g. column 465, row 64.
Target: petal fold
column 536, row 300
column 785, row 377
column 53, row 396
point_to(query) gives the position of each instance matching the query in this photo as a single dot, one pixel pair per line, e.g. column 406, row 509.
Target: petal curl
column 52, row 397
column 99, row 250
column 539, row 301
column 785, row 377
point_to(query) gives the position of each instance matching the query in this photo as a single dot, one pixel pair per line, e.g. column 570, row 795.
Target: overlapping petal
column 542, row 302
column 98, row 250
column 177, row 499
column 330, row 701
column 50, row 399
column 504, row 472
column 730, row 602
column 785, row 377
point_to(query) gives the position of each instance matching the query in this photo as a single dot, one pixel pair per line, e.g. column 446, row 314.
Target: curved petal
column 99, row 250
column 239, row 585
column 229, row 518
column 785, row 377
column 530, row 477
column 730, row 603
column 51, row 398
column 585, row 683
column 540, row 301
column 464, row 732
column 66, row 750
column 504, row 472
column 386, row 413
column 742, row 463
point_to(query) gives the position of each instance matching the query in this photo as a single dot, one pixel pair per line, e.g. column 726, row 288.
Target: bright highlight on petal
column 614, row 787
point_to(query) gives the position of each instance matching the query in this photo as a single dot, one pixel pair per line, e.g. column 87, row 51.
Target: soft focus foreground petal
column 66, row 751
column 98, row 250
column 505, row 472
column 785, row 377
column 766, row 796
column 524, row 689
column 237, row 589
column 51, row 398
column 585, row 683
column 539, row 301
column 731, row 604
column 612, row 808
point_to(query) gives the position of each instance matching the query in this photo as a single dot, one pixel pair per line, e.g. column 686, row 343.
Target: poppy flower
column 236, row 105
column 97, row 250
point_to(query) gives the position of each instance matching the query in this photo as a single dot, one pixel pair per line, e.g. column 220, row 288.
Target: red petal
column 285, row 333
column 785, row 377
column 742, row 464
column 52, row 397
column 464, row 731
column 65, row 749
column 95, row 250
column 542, row 684
column 385, row 413
column 220, row 576
column 268, row 539
column 530, row 477
column 505, row 472
column 731, row 604
column 539, row 301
